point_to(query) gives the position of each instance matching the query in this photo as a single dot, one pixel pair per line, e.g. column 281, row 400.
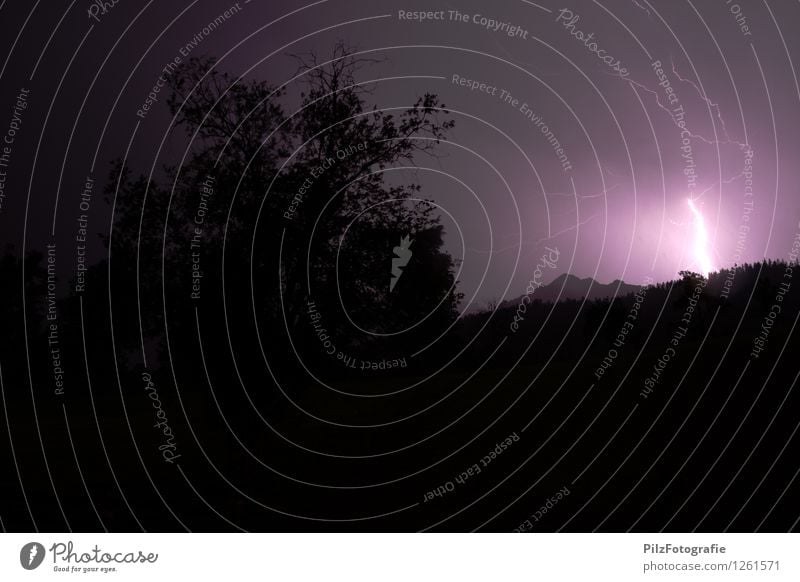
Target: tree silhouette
column 299, row 207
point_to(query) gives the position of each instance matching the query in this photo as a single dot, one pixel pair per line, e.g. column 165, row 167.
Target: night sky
column 348, row 360
column 613, row 199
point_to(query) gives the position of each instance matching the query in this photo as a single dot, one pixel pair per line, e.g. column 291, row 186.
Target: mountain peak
column 569, row 286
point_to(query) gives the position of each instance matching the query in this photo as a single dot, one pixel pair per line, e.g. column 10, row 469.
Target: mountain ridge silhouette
column 568, row 286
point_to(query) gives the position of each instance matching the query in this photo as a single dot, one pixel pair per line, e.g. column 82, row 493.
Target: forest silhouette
column 271, row 306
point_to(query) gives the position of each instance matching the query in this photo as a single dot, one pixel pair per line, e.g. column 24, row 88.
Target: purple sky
column 623, row 149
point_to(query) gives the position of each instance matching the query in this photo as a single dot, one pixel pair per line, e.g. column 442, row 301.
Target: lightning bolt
column 711, row 105
column 669, row 112
column 32, row 555
column 743, row 146
column 701, row 252
column 702, row 260
column 584, row 196
column 565, row 230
